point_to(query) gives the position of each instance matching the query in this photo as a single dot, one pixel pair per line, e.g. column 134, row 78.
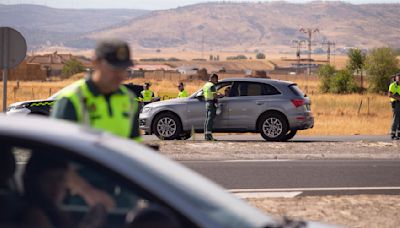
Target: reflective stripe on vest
column 207, row 93
column 147, row 95
column 94, row 111
column 182, row 94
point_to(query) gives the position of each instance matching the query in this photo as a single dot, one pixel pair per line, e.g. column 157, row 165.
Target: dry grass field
column 334, row 114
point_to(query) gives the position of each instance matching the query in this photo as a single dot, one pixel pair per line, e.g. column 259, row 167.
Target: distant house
column 188, row 70
column 54, row 62
column 27, row 72
column 152, row 67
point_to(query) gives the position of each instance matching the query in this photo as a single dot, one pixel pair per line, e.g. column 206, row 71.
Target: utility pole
column 202, row 46
column 329, row 44
column 298, row 45
column 309, row 32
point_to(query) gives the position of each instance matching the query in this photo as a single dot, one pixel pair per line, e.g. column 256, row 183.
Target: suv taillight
column 298, row 102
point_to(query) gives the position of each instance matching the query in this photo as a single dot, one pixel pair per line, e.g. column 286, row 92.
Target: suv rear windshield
column 296, row 90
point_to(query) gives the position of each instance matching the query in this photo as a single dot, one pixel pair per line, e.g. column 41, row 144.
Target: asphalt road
column 257, row 137
column 339, row 177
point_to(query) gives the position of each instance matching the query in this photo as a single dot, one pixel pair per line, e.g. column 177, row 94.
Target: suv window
column 253, row 89
column 296, row 90
column 270, row 90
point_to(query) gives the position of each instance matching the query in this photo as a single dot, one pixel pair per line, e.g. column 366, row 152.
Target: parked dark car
column 43, row 107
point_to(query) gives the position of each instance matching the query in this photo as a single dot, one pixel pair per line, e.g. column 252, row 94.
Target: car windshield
column 54, row 96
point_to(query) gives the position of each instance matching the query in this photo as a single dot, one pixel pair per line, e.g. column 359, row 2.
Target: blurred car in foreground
column 132, row 174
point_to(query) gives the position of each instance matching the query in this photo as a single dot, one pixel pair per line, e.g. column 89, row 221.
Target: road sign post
column 12, row 52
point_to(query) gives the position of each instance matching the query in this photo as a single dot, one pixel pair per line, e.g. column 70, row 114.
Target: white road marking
column 264, row 160
column 236, row 161
column 258, row 195
column 312, row 189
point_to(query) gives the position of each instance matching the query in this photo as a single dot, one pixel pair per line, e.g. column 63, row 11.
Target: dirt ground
column 349, row 211
column 201, row 150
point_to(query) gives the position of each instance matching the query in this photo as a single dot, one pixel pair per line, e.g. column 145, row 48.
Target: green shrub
column 343, row 82
column 260, row 56
column 72, row 67
column 325, row 75
column 381, row 64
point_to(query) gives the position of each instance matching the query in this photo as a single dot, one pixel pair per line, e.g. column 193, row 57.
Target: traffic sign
column 12, row 48
column 12, row 52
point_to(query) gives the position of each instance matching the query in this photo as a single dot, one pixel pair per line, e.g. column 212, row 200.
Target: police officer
column 100, row 101
column 394, row 94
column 182, row 92
column 211, row 98
column 146, row 96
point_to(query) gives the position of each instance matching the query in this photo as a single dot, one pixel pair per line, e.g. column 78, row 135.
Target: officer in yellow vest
column 146, row 96
column 211, row 98
column 394, row 94
column 101, row 101
column 182, row 92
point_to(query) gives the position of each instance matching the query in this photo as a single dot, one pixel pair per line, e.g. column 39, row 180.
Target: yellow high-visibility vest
column 207, row 93
column 182, row 94
column 147, row 95
column 94, row 111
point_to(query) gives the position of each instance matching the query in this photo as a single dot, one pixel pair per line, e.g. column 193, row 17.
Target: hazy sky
column 144, row 4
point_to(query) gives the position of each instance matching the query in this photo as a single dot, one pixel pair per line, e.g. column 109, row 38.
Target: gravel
column 201, row 150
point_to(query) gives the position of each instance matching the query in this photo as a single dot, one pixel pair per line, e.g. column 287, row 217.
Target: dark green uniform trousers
column 396, row 119
column 210, row 115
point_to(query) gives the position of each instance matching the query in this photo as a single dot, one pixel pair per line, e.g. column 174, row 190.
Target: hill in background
column 262, row 25
column 210, row 26
column 43, row 26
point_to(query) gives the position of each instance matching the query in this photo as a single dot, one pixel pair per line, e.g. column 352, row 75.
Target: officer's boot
column 209, row 137
column 394, row 136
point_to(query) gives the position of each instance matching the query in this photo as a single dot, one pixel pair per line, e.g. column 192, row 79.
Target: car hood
column 168, row 102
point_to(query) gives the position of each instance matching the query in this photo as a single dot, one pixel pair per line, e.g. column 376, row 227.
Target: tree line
column 376, row 66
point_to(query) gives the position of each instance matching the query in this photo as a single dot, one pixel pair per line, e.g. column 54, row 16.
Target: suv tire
column 273, row 127
column 167, row 126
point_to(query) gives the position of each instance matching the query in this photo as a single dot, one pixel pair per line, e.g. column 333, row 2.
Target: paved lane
column 308, row 177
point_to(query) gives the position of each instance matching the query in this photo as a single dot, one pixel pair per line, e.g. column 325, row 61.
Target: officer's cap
column 115, row 52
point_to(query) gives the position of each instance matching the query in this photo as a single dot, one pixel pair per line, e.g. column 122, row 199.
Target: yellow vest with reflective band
column 182, row 94
column 93, row 110
column 395, row 89
column 147, row 95
column 208, row 94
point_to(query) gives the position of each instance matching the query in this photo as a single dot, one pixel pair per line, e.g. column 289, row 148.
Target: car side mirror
column 199, row 96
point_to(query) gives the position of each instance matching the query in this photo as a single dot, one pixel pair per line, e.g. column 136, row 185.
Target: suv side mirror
column 199, row 96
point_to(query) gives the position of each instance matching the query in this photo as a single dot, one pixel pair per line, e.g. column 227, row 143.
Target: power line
column 298, row 45
column 310, row 32
column 329, row 44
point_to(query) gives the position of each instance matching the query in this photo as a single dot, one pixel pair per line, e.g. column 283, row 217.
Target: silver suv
column 275, row 109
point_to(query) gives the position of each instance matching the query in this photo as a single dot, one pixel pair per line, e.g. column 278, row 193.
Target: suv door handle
column 259, row 102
